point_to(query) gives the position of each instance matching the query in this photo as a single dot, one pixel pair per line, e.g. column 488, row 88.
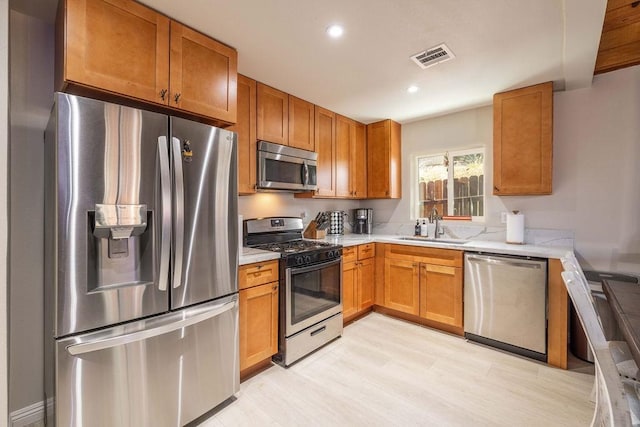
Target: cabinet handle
column 496, row 188
column 259, row 266
column 177, row 98
column 163, row 94
column 275, row 287
column 386, row 193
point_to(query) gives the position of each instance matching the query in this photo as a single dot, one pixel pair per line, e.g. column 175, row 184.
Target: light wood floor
column 387, row 372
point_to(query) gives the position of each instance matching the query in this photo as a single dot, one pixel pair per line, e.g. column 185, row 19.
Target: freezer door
column 104, row 214
column 205, row 213
column 165, row 371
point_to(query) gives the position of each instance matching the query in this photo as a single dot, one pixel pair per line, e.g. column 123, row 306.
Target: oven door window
column 314, row 290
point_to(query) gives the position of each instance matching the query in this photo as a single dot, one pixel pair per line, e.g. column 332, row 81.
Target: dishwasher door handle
column 536, row 265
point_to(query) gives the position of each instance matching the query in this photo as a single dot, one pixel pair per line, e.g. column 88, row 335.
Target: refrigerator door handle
column 165, row 190
column 178, row 212
column 88, row 347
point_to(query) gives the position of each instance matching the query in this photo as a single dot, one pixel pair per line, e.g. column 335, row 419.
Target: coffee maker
column 362, row 221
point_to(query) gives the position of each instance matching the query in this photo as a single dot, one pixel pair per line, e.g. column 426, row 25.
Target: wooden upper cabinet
column 118, row 46
column 124, row 49
column 523, row 141
column 203, row 74
column 325, row 129
column 345, row 138
column 245, row 127
column 272, row 115
column 358, row 163
column 351, row 159
column 384, row 160
column 301, row 124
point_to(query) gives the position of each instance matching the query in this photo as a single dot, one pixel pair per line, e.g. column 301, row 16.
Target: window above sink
column 452, row 183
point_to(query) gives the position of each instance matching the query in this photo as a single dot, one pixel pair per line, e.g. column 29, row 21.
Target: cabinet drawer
column 367, row 250
column 449, row 257
column 257, row 274
column 349, row 254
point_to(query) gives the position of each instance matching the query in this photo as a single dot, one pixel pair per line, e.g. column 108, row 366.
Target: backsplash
column 470, row 231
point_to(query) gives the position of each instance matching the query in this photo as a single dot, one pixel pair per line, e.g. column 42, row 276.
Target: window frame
column 450, row 188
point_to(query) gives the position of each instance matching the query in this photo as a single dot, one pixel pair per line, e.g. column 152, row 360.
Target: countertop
column 250, row 255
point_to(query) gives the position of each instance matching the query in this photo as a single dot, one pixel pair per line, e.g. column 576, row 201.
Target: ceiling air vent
column 433, row 56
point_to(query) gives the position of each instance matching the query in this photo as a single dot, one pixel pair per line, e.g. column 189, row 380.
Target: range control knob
column 299, row 260
column 307, row 259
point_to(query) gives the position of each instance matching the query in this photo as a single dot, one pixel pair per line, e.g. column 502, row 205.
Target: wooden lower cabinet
column 349, row 289
column 258, row 324
column 441, row 294
column 402, row 285
column 258, row 313
column 425, row 283
column 358, row 273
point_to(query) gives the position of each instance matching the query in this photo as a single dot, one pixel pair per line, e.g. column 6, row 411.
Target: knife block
column 312, row 233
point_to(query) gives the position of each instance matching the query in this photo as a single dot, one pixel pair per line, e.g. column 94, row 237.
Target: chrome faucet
column 435, row 217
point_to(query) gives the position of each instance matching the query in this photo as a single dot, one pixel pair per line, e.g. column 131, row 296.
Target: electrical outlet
column 503, row 217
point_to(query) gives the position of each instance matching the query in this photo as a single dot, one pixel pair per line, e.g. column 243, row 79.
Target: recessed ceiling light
column 335, row 31
column 413, row 89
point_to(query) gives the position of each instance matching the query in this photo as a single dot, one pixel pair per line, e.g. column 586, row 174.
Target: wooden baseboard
column 255, row 369
column 357, row 316
column 419, row 320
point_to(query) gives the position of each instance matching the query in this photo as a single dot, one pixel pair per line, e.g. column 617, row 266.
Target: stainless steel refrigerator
column 141, row 302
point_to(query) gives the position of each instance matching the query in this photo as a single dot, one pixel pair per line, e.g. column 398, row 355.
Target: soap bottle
column 417, row 229
column 423, row 229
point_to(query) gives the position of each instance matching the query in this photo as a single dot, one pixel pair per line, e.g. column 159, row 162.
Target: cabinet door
column 358, row 162
column 301, row 124
column 523, row 141
column 349, row 289
column 245, row 127
column 325, row 146
column 272, row 115
column 203, row 75
column 366, row 273
column 258, row 324
column 345, row 137
column 118, row 46
column 401, row 285
column 441, row 294
column 383, row 160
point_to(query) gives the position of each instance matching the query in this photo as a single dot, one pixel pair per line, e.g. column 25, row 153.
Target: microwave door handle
column 178, row 213
column 165, row 206
column 305, row 173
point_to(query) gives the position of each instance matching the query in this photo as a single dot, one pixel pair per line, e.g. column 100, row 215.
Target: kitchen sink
column 433, row 240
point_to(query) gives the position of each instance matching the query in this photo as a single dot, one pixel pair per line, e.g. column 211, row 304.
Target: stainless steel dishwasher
column 505, row 303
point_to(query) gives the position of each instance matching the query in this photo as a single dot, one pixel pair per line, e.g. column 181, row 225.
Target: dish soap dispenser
column 417, row 228
column 423, row 229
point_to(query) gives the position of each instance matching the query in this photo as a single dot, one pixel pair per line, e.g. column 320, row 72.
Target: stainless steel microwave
column 286, row 168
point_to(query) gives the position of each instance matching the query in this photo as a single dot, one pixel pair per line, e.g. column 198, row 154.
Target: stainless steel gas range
column 310, row 285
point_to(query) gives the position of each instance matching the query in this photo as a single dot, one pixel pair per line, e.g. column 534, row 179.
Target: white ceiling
column 498, row 44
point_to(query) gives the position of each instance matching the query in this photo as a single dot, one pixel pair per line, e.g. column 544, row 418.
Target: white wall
column 31, row 63
column 284, row 204
column 598, row 130
column 4, row 144
column 595, row 177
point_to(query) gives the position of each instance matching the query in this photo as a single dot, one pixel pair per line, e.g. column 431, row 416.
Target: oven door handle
column 299, row 270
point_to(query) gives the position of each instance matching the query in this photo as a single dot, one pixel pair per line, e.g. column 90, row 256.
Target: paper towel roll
column 515, row 228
